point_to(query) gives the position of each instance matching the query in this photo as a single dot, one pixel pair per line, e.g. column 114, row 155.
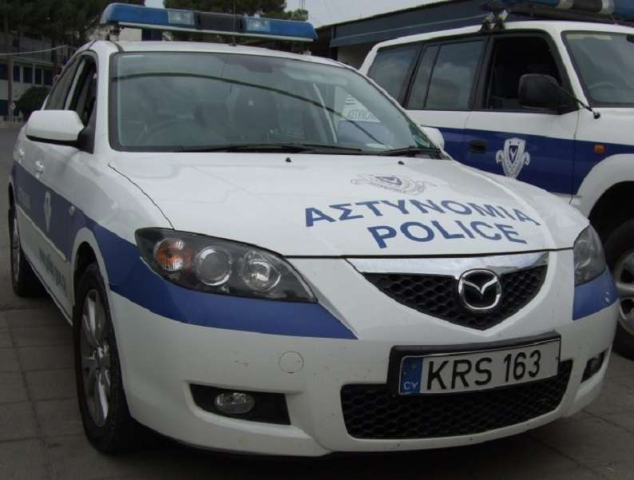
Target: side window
column 57, row 98
column 84, row 94
column 453, row 76
column 391, row 69
column 420, row 87
column 512, row 58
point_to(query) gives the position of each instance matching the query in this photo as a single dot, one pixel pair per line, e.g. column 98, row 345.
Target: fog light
column 234, row 403
column 593, row 366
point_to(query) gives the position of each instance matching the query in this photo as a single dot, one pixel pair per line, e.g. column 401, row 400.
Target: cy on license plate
column 483, row 370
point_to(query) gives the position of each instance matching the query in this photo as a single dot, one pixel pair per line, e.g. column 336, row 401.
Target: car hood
column 314, row 205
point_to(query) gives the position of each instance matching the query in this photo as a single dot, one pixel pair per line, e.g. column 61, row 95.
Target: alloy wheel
column 95, row 358
column 624, row 278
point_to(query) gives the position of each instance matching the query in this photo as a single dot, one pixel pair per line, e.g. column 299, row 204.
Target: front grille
column 437, row 295
column 375, row 412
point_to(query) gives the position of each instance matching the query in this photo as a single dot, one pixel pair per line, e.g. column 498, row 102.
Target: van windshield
column 233, row 102
column 605, row 64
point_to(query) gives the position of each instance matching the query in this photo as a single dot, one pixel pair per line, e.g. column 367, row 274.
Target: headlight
column 219, row 266
column 589, row 257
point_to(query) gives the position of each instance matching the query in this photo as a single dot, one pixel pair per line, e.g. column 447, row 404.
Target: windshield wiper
column 275, row 147
column 411, row 152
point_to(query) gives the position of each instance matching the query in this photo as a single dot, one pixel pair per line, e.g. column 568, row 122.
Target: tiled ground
column 41, row 435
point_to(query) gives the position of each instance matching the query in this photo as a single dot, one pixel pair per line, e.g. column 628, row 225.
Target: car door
column 442, row 89
column 52, row 169
column 502, row 136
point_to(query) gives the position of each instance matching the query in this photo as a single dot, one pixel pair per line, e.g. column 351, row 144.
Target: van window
column 391, row 69
column 512, row 58
column 420, row 87
column 453, row 75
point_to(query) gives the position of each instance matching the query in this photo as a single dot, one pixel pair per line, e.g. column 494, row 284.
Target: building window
column 38, row 76
column 3, row 71
column 48, row 77
column 27, row 74
column 16, row 73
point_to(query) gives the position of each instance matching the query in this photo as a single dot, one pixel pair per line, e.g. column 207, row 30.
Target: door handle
column 39, row 167
column 478, row 146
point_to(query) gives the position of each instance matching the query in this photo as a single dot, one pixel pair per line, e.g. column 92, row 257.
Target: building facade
column 32, row 65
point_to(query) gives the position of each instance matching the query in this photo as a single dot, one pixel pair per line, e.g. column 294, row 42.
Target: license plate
column 478, row 370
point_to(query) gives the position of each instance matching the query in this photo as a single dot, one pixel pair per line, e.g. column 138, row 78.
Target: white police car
column 495, row 93
column 260, row 252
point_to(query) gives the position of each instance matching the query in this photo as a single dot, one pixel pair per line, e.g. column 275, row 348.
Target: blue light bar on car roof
column 621, row 9
column 136, row 16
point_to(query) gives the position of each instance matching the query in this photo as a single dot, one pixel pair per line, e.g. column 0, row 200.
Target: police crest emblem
column 394, row 183
column 513, row 157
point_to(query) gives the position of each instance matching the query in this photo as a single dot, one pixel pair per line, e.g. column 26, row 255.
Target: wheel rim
column 624, row 278
column 95, row 358
column 15, row 249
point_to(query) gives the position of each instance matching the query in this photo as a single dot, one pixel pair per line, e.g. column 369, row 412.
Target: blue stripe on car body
column 594, row 296
column 130, row 277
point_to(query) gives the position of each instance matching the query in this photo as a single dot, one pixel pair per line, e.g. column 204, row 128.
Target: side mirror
column 435, row 136
column 59, row 127
column 540, row 91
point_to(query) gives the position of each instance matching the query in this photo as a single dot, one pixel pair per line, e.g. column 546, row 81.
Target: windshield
column 197, row 101
column 605, row 64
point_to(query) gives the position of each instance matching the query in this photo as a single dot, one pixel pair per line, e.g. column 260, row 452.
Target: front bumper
column 161, row 358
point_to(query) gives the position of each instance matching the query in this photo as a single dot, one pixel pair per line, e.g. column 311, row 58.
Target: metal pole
column 8, row 47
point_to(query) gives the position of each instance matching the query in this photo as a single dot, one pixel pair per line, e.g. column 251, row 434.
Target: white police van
column 494, row 92
column 261, row 252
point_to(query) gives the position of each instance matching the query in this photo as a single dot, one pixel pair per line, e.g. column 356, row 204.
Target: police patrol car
column 261, row 252
column 548, row 102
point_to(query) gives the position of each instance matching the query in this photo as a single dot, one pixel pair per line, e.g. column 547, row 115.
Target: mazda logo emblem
column 480, row 291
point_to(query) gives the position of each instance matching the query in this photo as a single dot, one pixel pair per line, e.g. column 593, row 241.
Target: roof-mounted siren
column 579, row 9
column 168, row 19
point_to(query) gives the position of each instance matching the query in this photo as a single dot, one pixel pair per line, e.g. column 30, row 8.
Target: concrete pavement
column 41, row 434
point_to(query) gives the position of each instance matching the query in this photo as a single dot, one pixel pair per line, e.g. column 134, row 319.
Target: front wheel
column 102, row 401
column 619, row 250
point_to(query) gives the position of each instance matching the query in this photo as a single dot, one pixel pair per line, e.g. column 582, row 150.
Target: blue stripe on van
column 557, row 165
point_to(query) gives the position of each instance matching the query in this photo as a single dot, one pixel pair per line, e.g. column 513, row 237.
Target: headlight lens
column 589, row 256
column 219, row 266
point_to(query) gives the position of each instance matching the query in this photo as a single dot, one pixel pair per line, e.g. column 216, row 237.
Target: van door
column 503, row 137
column 442, row 90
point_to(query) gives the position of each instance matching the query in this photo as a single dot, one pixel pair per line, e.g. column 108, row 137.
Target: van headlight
column 589, row 256
column 219, row 266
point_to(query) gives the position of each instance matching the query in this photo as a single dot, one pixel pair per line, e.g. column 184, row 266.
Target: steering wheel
column 173, row 128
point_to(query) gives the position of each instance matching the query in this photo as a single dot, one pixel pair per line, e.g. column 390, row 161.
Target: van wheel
column 102, row 401
column 23, row 279
column 619, row 250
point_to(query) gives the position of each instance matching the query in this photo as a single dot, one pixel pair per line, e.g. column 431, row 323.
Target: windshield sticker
column 394, row 183
column 513, row 157
column 494, row 227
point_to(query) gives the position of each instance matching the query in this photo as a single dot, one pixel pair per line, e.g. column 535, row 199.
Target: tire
column 105, row 414
column 619, row 251
column 23, row 280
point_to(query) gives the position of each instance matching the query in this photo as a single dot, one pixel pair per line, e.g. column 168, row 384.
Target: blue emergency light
column 168, row 19
column 619, row 9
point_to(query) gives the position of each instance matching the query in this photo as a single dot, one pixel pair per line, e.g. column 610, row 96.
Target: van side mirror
column 540, row 91
column 59, row 127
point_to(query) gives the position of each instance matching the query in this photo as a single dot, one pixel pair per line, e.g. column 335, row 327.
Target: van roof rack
column 610, row 11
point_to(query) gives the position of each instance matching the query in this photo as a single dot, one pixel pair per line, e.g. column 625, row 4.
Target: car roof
column 199, row 47
column 555, row 27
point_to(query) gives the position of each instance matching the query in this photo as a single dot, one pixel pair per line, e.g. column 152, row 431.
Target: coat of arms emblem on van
column 513, row 157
